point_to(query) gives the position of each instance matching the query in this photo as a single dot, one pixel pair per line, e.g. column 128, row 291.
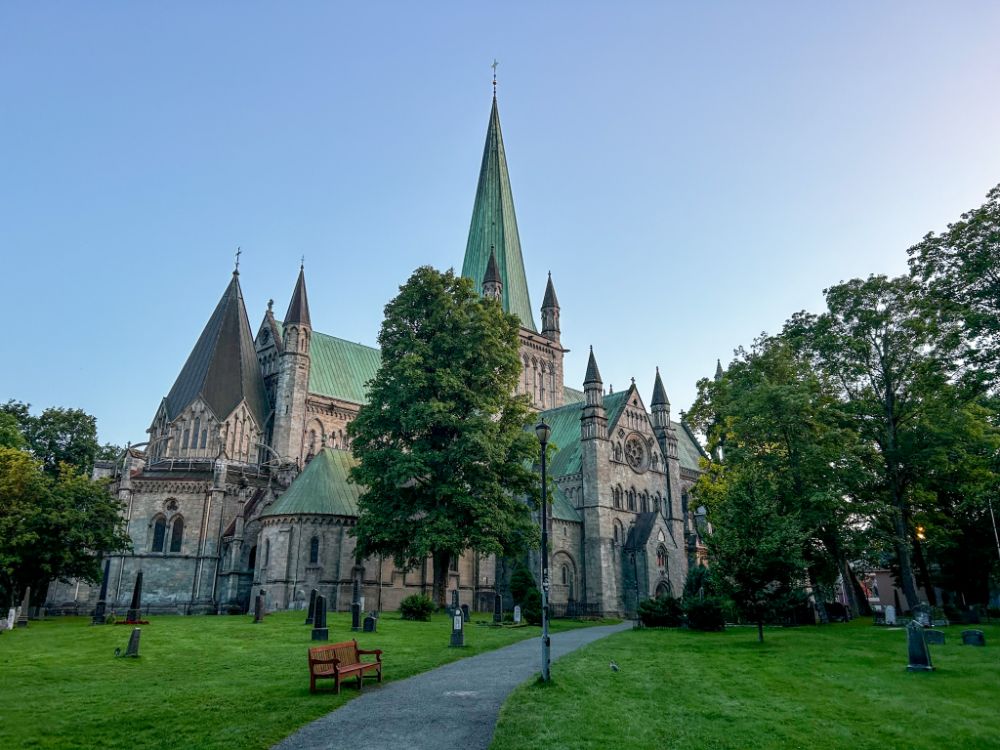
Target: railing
column 575, row 609
column 234, row 468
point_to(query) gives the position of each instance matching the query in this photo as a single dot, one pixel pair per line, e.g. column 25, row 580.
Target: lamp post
column 543, row 431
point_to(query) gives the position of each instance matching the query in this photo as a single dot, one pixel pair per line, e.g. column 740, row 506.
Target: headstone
column 320, row 632
column 890, row 615
column 919, row 654
column 517, row 614
column 465, row 612
column 454, row 601
column 312, row 606
column 11, row 618
column 99, row 617
column 135, row 608
column 370, row 623
column 457, row 632
column 497, row 609
column 258, row 610
column 935, row 637
column 133, row 643
column 22, row 616
column 922, row 614
column 973, row 638
column 356, row 617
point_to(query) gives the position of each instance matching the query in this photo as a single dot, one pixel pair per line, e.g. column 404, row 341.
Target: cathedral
column 243, row 483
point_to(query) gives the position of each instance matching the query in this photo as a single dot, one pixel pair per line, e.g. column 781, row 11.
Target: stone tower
column 666, row 436
column 293, row 376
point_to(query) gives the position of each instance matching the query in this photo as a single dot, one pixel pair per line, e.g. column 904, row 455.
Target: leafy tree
column 961, row 269
column 10, row 431
column 890, row 362
column 57, row 436
column 755, row 551
column 53, row 528
column 442, row 450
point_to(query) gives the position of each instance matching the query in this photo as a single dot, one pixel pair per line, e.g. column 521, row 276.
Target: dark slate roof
column 494, row 225
column 593, row 374
column 322, row 488
column 492, row 274
column 640, row 532
column 659, row 392
column 550, row 299
column 298, row 308
column 222, row 368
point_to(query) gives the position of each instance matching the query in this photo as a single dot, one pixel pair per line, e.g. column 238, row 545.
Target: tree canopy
column 443, row 455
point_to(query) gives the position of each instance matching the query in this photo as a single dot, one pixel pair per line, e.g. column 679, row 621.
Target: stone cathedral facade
column 243, row 484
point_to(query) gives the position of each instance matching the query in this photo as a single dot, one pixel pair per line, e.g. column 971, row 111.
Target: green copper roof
column 340, row 369
column 495, row 225
column 572, row 395
column 562, row 508
column 322, row 488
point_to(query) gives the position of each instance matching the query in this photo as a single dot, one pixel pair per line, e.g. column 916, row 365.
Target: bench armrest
column 377, row 651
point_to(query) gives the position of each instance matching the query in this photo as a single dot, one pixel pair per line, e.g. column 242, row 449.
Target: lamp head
column 543, row 431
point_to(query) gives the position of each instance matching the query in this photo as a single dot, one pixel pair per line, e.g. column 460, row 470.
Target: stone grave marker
column 22, row 615
column 454, row 602
column 457, row 631
column 890, row 615
column 258, row 609
column 465, row 612
column 11, row 618
column 919, row 654
column 497, row 609
column 922, row 614
column 320, row 632
column 973, row 638
column 370, row 623
column 517, row 614
column 135, row 608
column 312, row 607
column 100, row 616
column 356, row 616
column 133, row 643
column 935, row 637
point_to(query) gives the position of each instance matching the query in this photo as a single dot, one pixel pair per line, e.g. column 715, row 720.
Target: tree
column 890, row 362
column 53, row 528
column 58, row 436
column 961, row 270
column 441, row 445
column 10, row 431
column 755, row 551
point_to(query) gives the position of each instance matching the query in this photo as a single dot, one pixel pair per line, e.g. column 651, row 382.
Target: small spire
column 298, row 307
column 593, row 374
column 550, row 299
column 659, row 392
column 718, row 369
column 492, row 275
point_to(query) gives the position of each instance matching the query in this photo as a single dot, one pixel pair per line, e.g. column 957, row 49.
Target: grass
column 838, row 686
column 200, row 682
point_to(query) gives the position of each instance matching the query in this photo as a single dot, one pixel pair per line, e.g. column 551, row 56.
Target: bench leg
column 361, row 680
column 337, row 684
column 379, row 673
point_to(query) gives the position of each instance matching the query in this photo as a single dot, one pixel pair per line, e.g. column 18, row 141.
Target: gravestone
column 922, row 614
column 973, row 638
column 312, row 607
column 258, row 610
column 356, row 616
column 320, row 632
column 100, row 610
column 890, row 615
column 465, row 612
column 11, row 618
column 935, row 637
column 133, row 643
column 457, row 631
column 497, row 609
column 454, row 602
column 135, row 608
column 22, row 616
column 919, row 654
column 370, row 623
column 517, row 614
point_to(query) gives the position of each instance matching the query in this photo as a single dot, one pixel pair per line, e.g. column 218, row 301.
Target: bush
column 836, row 611
column 417, row 607
column 531, row 607
column 662, row 612
column 706, row 613
column 524, row 591
column 697, row 583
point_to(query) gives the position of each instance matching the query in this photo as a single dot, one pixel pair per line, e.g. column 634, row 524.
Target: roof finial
column 494, row 66
column 239, row 252
column 302, row 262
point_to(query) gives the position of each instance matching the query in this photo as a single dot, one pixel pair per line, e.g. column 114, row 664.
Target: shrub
column 521, row 582
column 706, row 613
column 417, row 607
column 836, row 611
column 662, row 612
column 698, row 582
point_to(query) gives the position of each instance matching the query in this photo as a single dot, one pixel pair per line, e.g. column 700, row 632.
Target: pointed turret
column 492, row 283
column 494, row 225
column 298, row 307
column 550, row 312
column 292, row 387
column 718, row 369
column 593, row 374
column 594, row 420
column 659, row 392
column 222, row 369
column 660, row 418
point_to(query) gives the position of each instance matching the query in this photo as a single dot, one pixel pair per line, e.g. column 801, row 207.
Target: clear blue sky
column 692, row 174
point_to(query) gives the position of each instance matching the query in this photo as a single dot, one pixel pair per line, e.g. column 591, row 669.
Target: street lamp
column 543, row 431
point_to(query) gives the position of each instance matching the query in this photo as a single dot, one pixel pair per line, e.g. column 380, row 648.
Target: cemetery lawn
column 200, row 682
column 838, row 686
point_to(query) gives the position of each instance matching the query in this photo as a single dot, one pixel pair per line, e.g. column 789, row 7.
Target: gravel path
column 454, row 706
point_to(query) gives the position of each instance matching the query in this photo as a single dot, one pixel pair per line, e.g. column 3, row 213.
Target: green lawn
column 839, row 686
column 200, row 682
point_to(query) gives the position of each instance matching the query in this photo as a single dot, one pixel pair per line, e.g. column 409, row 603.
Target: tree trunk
column 857, row 594
column 440, row 591
column 760, row 631
column 925, row 575
column 901, row 543
column 824, row 617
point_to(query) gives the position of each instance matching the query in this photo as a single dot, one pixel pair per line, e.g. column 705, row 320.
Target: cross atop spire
column 494, row 66
column 239, row 252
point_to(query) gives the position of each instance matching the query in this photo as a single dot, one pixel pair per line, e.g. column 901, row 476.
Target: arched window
column 314, row 550
column 661, row 556
column 645, row 502
column 565, row 575
column 184, row 440
column 159, row 533
column 267, row 551
column 631, row 499
column 177, row 534
column 195, row 432
column 618, row 497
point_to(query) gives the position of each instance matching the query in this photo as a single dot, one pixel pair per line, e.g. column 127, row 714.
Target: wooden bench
column 339, row 660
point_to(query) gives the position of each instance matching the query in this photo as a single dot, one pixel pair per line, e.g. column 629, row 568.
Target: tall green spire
column 495, row 225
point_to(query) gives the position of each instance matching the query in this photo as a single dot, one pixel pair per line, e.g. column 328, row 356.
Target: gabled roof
column 222, row 368
column 322, row 488
column 495, row 225
column 298, row 307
